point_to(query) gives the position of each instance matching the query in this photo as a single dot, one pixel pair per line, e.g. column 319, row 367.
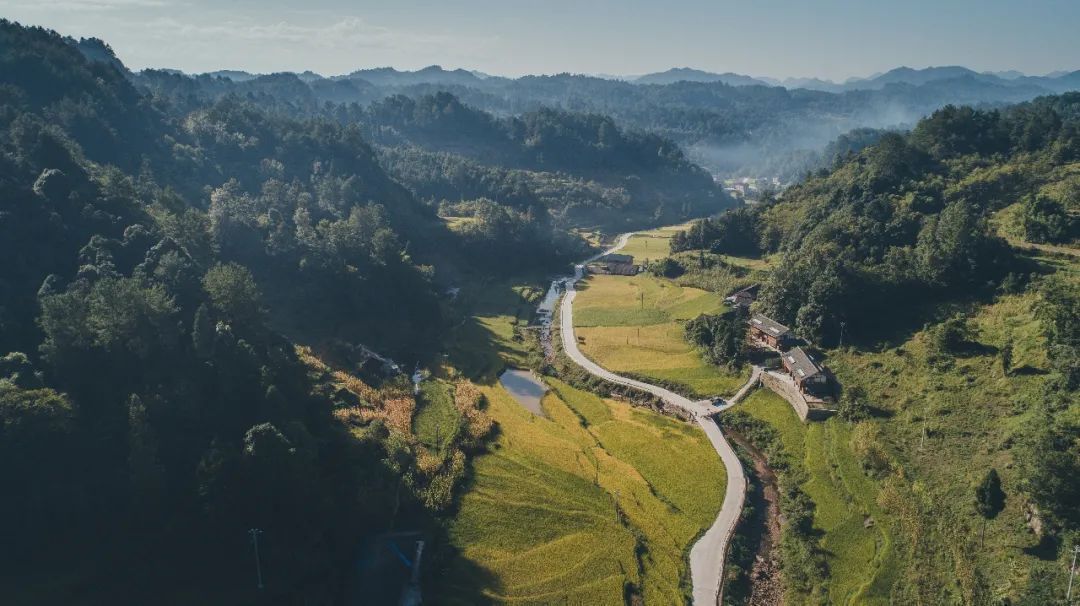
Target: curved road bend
column 707, row 555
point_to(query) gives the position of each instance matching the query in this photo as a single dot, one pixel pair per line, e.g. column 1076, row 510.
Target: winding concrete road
column 707, row 555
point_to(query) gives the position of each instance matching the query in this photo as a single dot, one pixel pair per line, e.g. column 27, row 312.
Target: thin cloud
column 337, row 38
column 86, row 5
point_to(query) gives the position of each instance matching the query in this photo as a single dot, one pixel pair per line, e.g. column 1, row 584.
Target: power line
column 255, row 532
column 1072, row 574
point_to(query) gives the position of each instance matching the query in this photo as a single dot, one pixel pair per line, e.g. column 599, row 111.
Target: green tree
column 202, row 331
column 951, row 336
column 1044, row 220
column 853, row 405
column 233, row 293
column 1006, row 355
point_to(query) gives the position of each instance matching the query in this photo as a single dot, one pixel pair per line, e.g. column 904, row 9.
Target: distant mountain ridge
column 1055, row 82
column 687, row 74
column 730, row 123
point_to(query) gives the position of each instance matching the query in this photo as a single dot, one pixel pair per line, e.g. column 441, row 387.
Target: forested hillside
column 936, row 274
column 583, row 168
column 729, row 127
column 195, row 290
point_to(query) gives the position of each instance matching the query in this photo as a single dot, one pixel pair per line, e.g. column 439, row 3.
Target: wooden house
column 615, row 264
column 744, row 297
column 768, row 332
column 808, row 375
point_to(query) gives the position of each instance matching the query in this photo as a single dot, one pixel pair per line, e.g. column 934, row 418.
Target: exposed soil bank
column 762, row 529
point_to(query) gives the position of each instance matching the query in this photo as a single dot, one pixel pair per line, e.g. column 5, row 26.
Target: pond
column 524, row 387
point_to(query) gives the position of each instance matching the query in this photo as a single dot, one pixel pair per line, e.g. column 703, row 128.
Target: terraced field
column 860, row 557
column 653, row 244
column 635, row 325
column 575, row 507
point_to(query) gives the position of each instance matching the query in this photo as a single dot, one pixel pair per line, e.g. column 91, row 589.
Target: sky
column 833, row 39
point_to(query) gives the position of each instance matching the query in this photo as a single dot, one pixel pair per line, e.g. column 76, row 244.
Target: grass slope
column 860, row 560
column 949, row 424
column 635, row 325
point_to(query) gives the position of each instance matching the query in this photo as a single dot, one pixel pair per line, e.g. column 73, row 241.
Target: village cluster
column 805, row 382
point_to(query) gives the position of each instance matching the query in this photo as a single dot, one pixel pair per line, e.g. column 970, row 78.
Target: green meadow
column 635, row 325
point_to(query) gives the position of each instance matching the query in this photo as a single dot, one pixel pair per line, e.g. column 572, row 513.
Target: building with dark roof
column 769, row 332
column 623, row 269
column 744, row 297
column 617, row 258
column 804, row 370
column 616, row 265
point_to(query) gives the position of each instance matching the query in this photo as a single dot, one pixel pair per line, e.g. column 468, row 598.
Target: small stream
column 525, row 388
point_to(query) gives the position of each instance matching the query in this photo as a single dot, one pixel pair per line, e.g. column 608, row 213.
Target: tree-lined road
column 707, row 555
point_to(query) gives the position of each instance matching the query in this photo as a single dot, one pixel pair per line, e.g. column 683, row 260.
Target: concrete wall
column 787, row 390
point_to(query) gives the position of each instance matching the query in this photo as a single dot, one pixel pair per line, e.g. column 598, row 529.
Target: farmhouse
column 614, row 264
column 768, row 332
column 804, row 370
column 616, row 258
column 744, row 297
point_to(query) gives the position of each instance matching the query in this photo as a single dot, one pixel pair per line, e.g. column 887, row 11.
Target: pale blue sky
column 779, row 38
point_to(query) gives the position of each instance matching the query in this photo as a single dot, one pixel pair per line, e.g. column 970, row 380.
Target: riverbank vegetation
column 836, row 540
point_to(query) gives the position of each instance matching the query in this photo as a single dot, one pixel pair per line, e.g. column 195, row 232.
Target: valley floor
column 634, row 325
column 590, row 504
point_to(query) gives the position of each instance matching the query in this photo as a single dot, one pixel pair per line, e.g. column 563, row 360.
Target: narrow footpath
column 708, row 554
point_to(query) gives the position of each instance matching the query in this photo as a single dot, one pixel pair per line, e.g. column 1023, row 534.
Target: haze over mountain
column 729, row 123
column 686, row 74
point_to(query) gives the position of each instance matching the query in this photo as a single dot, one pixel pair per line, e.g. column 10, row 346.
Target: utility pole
column 842, row 325
column 416, row 563
column 255, row 532
column 642, row 300
column 1072, row 574
column 618, row 518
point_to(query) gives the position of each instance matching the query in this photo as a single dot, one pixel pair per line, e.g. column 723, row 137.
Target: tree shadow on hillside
column 896, row 322
column 1028, row 370
column 1046, row 549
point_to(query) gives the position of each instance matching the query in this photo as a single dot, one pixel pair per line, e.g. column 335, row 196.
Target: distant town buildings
column 750, row 188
